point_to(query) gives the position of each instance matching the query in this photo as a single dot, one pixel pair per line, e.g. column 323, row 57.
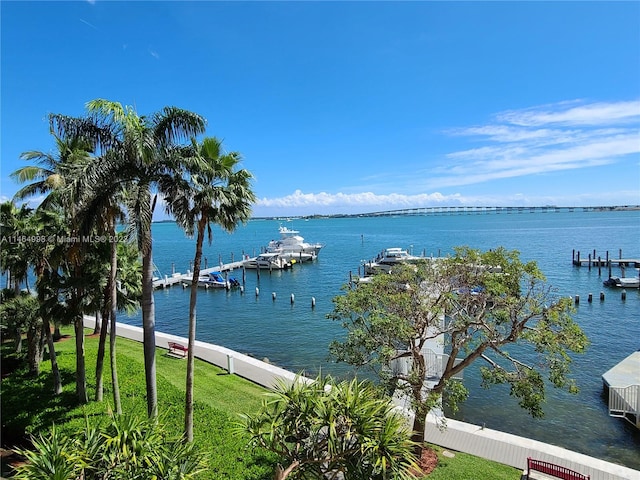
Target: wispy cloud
column 154, row 54
column 543, row 139
column 565, row 114
column 87, row 23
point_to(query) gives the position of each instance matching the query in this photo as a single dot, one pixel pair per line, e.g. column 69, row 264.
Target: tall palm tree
column 137, row 147
column 209, row 192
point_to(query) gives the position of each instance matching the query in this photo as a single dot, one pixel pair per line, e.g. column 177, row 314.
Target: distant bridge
column 487, row 210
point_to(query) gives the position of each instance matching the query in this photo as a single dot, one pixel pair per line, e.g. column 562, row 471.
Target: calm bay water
column 296, row 337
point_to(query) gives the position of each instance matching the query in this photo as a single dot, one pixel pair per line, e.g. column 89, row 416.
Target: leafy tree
column 478, row 304
column 330, row 430
column 211, row 191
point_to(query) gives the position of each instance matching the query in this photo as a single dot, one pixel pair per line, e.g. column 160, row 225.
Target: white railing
column 625, row 402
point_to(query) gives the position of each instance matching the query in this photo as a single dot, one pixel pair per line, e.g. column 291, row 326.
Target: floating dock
column 622, row 385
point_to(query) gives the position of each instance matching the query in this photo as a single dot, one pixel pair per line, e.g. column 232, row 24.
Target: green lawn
column 29, row 407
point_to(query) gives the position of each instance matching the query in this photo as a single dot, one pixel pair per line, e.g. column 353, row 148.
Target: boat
column 268, row 261
column 389, row 258
column 213, row 280
column 293, row 247
column 622, row 282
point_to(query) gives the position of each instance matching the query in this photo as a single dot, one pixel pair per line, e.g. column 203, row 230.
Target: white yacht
column 292, row 246
column 389, row 258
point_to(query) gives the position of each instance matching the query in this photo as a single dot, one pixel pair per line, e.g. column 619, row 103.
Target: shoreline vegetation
column 29, row 408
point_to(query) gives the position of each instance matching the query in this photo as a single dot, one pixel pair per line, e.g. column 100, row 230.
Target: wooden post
column 589, row 260
column 579, row 259
column 602, row 296
column 599, row 266
column 590, row 298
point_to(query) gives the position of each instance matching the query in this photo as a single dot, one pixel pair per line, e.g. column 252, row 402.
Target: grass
column 28, row 407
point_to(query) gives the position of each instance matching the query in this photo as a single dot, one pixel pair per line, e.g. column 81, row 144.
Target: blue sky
column 347, row 107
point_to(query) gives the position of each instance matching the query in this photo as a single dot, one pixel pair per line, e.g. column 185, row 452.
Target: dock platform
column 179, row 278
column 622, row 384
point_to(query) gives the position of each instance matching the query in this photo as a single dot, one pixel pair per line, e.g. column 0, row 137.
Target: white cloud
column 590, row 114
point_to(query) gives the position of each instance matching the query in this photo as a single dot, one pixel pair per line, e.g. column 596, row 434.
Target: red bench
column 177, row 349
column 554, row 470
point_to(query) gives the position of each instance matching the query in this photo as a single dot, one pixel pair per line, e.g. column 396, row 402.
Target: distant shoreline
column 418, row 211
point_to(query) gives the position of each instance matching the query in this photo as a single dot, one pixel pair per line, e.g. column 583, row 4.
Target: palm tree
column 54, row 176
column 137, row 147
column 210, row 192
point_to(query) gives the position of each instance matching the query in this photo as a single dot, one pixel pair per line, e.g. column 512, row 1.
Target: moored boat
column 622, row 282
column 268, row 261
column 389, row 258
column 213, row 280
column 293, row 246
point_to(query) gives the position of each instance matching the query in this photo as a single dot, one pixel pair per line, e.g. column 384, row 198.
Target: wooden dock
column 180, row 278
column 593, row 260
column 622, row 385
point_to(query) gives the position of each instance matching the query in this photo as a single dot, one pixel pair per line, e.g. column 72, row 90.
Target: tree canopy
column 477, row 304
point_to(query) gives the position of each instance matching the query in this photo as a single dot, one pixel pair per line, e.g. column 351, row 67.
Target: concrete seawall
column 463, row 437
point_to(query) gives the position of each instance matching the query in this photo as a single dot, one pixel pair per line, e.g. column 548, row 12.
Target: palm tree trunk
column 97, row 327
column 55, row 371
column 81, row 371
column 113, row 303
column 188, row 405
column 148, row 332
column 34, row 335
column 104, row 318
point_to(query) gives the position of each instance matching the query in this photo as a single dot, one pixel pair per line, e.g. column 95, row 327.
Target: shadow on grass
column 28, row 404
